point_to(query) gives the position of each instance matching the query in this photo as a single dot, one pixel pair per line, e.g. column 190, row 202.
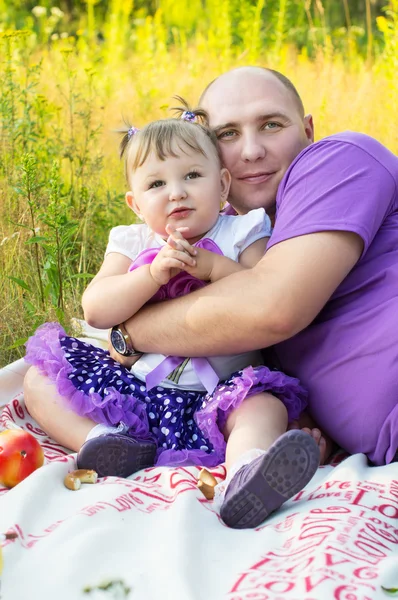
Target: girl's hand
column 204, row 267
column 177, row 240
column 168, row 263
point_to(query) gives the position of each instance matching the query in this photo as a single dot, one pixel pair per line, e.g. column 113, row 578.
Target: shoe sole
column 116, row 456
column 285, row 470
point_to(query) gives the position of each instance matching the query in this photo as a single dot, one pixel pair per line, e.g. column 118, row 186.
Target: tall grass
column 62, row 96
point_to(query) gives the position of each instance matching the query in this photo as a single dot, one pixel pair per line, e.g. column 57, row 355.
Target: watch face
column 118, row 341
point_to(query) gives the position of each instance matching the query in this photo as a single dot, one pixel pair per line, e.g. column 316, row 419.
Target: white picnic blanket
column 154, row 536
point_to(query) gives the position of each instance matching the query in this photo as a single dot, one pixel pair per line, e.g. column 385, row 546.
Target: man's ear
column 225, row 184
column 132, row 204
column 309, row 127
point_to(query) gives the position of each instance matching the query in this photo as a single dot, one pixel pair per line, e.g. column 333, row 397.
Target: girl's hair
column 163, row 136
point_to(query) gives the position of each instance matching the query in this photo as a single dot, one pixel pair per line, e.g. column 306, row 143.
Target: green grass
column 62, row 97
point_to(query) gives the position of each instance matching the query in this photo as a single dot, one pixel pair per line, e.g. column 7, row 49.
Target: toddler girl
column 178, row 410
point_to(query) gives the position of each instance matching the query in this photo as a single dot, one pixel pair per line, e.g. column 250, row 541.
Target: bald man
column 324, row 295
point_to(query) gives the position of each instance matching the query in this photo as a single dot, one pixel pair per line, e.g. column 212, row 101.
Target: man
column 325, row 292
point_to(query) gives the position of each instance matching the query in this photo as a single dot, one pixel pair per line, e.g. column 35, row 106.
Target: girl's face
column 184, row 191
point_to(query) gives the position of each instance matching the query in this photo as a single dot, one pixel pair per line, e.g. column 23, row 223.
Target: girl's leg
column 267, row 465
column 272, row 422
column 49, row 411
column 109, row 454
column 257, row 423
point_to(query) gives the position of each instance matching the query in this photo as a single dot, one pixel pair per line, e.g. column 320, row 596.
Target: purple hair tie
column 188, row 115
column 132, row 131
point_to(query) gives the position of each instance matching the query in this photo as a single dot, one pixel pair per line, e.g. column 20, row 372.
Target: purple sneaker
column 116, row 454
column 262, row 486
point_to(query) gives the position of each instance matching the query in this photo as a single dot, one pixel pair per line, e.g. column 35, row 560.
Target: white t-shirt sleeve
column 250, row 228
column 127, row 240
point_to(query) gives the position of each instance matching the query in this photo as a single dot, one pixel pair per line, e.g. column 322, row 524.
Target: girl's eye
column 192, row 175
column 156, row 184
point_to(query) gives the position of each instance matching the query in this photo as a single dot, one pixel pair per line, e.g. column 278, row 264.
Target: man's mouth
column 260, row 177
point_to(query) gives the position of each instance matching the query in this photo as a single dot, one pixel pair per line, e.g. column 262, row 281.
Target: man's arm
column 255, row 308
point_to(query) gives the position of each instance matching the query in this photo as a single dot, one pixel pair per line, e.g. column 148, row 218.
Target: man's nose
column 177, row 192
column 252, row 148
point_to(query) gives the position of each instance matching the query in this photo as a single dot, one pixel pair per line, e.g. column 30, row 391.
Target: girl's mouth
column 181, row 213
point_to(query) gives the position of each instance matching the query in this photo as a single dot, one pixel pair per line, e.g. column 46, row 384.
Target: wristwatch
column 121, row 341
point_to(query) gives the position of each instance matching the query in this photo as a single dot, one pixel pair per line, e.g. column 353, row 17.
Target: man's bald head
column 258, row 118
column 241, row 75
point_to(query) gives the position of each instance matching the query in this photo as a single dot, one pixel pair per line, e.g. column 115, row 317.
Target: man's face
column 260, row 131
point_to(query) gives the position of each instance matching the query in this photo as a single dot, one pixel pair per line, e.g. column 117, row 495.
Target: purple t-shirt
column 348, row 357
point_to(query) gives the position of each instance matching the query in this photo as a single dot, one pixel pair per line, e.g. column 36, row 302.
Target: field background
column 71, row 71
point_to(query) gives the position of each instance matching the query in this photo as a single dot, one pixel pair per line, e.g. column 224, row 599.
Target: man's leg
column 48, row 409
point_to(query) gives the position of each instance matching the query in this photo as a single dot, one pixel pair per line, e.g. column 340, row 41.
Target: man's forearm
column 255, row 308
column 227, row 317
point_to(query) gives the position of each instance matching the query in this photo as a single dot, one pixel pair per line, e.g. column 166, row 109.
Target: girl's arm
column 212, row 267
column 115, row 294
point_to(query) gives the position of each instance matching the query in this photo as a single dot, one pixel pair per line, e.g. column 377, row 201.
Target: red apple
column 20, row 455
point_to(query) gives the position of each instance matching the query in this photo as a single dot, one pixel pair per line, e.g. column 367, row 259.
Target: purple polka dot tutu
column 186, row 425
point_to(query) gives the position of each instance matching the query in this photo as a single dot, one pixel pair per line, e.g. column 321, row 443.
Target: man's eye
column 272, row 125
column 226, row 135
column 156, row 184
column 192, row 175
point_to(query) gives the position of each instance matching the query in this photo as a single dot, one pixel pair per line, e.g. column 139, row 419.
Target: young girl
column 176, row 410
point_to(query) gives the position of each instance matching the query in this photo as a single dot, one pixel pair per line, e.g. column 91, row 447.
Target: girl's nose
column 178, row 192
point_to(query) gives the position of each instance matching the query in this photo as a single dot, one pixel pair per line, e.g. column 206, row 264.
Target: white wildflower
column 55, row 37
column 57, row 12
column 39, row 11
column 64, row 35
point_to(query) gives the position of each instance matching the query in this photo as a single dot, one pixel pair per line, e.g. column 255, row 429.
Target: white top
column 232, row 234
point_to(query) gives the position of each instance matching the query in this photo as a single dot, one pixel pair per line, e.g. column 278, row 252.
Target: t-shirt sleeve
column 126, row 240
column 250, row 228
column 335, row 186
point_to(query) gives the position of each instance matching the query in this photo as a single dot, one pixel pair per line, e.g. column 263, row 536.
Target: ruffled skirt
column 186, row 425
